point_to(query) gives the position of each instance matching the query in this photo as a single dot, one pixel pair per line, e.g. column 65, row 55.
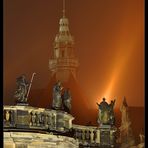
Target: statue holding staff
column 30, row 84
column 23, row 88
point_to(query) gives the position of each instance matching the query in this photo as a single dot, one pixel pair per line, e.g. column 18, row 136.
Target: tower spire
column 63, row 61
column 63, row 8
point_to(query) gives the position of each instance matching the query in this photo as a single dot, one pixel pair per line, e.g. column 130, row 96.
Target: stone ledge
column 38, row 140
column 28, row 117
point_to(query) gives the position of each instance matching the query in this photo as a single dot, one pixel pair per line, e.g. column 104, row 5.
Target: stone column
column 87, row 134
column 37, row 118
column 79, row 134
column 54, row 120
column 76, row 133
column 83, row 135
column 92, row 136
column 97, row 136
column 33, row 118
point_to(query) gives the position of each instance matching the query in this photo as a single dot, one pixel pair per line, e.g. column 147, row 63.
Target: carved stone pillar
column 97, row 136
column 12, row 117
column 7, row 117
column 79, row 134
column 50, row 122
column 33, row 118
column 87, row 134
column 38, row 119
column 76, row 133
column 83, row 135
column 46, row 120
column 92, row 136
column 54, row 120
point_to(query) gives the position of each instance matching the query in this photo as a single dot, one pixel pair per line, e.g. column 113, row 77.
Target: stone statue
column 111, row 111
column 106, row 113
column 66, row 100
column 103, row 112
column 57, row 100
column 22, row 88
column 126, row 137
column 103, row 105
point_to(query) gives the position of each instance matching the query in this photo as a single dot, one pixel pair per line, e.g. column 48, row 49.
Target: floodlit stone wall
column 37, row 140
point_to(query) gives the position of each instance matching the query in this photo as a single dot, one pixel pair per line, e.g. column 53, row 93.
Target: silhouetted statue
column 22, row 88
column 111, row 110
column 57, row 100
column 103, row 112
column 67, row 100
column 103, row 105
column 106, row 113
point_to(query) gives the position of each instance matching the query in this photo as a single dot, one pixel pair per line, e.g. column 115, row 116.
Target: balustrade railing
column 28, row 117
column 87, row 135
column 41, row 119
column 94, row 136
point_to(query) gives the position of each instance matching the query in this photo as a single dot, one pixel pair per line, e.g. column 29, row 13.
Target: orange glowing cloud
column 127, row 39
column 122, row 58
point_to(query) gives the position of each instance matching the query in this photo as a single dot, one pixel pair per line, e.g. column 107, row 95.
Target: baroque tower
column 63, row 61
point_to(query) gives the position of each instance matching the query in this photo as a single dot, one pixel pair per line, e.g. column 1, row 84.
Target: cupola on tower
column 63, row 62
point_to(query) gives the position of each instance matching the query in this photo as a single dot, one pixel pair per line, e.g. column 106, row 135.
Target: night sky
column 109, row 42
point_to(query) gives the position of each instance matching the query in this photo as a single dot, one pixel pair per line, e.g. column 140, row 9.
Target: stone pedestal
column 107, row 135
column 97, row 137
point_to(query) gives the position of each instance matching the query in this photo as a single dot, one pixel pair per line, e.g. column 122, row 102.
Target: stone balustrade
column 55, row 121
column 95, row 136
column 87, row 135
column 27, row 117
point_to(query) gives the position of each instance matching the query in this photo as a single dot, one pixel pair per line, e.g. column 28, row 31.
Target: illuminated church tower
column 63, row 61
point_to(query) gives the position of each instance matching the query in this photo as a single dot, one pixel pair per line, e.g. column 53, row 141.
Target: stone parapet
column 95, row 136
column 33, row 118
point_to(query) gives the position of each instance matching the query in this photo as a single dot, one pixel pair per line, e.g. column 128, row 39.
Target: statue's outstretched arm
column 97, row 103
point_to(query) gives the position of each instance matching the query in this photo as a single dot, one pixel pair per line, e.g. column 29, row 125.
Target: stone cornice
column 28, row 117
